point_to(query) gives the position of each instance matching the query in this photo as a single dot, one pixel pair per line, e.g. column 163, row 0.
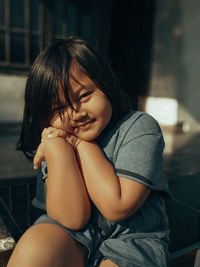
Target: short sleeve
column 44, row 170
column 140, row 155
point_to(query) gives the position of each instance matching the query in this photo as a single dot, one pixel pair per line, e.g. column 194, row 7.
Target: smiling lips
column 85, row 124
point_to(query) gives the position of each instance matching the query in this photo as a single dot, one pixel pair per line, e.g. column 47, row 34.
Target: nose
column 78, row 115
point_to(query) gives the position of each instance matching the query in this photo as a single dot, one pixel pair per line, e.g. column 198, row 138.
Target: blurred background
column 154, row 48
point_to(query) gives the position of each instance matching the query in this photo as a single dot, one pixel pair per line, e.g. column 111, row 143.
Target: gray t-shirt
column 134, row 147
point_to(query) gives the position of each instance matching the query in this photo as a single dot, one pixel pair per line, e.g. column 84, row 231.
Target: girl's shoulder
column 138, row 123
column 133, row 125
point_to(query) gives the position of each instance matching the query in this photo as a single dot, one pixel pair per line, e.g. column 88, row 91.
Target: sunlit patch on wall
column 163, row 109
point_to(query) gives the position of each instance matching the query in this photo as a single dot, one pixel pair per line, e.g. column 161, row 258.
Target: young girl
column 101, row 163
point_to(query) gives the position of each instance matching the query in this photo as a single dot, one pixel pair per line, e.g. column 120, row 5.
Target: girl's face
column 92, row 110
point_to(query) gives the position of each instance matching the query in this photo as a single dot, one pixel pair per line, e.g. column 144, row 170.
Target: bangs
column 65, row 87
column 44, row 85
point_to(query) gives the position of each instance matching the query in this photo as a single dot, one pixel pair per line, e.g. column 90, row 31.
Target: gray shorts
column 125, row 250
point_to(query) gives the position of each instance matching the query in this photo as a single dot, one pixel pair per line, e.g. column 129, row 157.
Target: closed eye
column 85, row 95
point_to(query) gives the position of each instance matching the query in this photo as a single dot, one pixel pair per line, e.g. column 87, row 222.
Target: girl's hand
column 73, row 140
column 39, row 156
column 51, row 132
column 47, row 133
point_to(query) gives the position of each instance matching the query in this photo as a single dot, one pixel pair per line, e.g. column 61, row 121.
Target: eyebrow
column 82, row 86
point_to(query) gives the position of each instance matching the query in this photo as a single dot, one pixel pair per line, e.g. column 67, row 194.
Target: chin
column 90, row 136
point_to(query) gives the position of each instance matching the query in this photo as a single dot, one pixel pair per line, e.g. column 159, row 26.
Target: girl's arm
column 67, row 200
column 116, row 197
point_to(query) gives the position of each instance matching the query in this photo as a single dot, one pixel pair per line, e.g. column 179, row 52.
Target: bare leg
column 107, row 263
column 47, row 245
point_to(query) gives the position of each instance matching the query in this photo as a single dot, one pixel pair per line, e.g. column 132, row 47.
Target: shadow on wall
column 131, row 45
column 175, row 61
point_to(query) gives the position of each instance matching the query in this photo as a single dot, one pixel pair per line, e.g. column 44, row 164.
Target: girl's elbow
column 122, row 209
column 115, row 217
column 74, row 222
column 81, row 222
column 118, row 214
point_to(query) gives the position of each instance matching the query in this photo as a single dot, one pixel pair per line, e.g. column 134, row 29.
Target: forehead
column 78, row 79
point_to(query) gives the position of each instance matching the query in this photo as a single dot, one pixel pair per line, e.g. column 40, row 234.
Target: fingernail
column 34, row 167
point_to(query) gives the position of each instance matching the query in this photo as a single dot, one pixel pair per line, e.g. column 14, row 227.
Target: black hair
column 42, row 86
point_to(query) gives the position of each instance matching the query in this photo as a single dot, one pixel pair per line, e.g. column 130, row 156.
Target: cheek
column 108, row 111
column 103, row 108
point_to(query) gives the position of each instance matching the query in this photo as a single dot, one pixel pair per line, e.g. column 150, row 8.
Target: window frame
column 7, row 66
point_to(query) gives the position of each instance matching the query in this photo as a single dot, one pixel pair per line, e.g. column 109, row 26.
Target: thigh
column 47, row 245
column 107, row 263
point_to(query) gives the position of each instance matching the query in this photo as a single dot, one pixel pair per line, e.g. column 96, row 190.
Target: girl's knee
column 44, row 245
column 30, row 247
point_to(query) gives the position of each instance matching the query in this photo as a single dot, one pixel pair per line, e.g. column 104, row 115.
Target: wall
column 176, row 58
column 11, row 98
